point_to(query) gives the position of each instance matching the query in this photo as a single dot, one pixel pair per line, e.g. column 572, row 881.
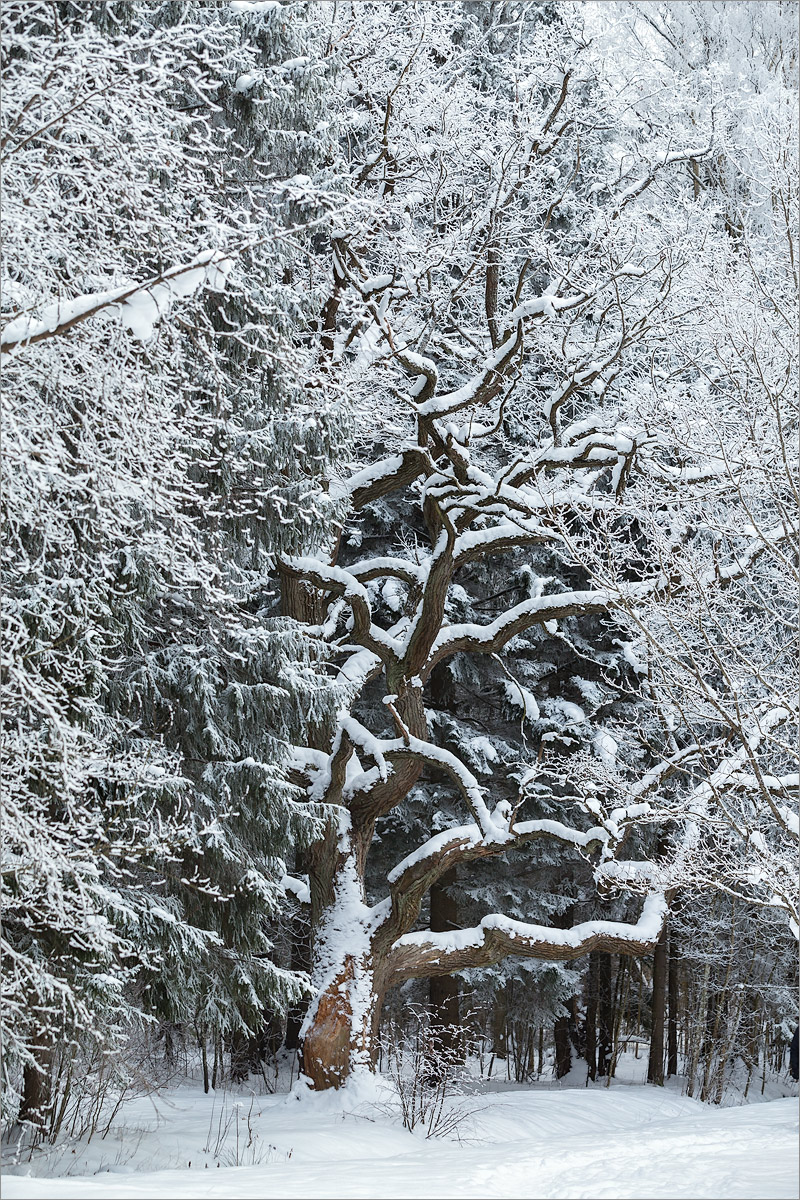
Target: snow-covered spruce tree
column 271, row 430
column 500, row 309
column 145, row 697
column 92, row 466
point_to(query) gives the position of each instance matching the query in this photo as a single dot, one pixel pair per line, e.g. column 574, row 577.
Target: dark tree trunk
column 36, row 1088
column 201, row 1041
column 564, row 1031
column 444, row 991
column 655, row 1066
column 591, row 1016
column 499, row 1024
column 563, row 1047
column 605, row 1015
column 674, row 1004
column 490, row 297
column 300, row 960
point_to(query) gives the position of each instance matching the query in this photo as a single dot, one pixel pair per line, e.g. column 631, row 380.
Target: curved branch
column 484, row 386
column 480, row 543
column 431, row 608
column 427, row 954
column 394, row 568
column 635, row 190
column 338, row 582
column 491, row 638
column 209, row 267
column 412, row 878
column 388, row 475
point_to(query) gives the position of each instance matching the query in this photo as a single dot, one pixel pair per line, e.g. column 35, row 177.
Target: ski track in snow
column 633, row 1141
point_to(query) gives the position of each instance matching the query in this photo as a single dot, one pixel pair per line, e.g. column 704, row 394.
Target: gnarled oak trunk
column 339, row 1034
column 341, row 1027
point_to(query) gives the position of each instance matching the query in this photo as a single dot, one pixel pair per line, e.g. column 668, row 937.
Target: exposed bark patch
column 327, row 1043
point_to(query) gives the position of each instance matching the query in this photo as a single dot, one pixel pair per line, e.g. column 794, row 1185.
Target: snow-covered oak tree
column 488, row 283
column 505, row 669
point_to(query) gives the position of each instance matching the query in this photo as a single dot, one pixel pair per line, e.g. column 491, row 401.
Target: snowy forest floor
column 508, row 1140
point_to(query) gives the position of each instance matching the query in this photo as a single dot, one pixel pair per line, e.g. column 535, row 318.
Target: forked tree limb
column 410, row 881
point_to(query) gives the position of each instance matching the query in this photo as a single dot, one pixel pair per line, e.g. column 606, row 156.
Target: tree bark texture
column 444, row 990
column 605, row 1015
column 655, row 1065
column 674, row 1005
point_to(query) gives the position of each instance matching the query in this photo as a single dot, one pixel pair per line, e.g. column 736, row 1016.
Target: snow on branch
column 489, row 638
column 338, row 581
column 641, row 185
column 546, row 305
column 483, row 386
column 425, row 953
column 742, row 562
column 411, row 879
column 656, row 775
column 598, row 448
column 298, row 887
column 387, row 475
column 140, row 305
column 492, row 829
column 774, row 783
column 397, row 568
column 508, row 535
column 463, row 843
column 360, row 736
